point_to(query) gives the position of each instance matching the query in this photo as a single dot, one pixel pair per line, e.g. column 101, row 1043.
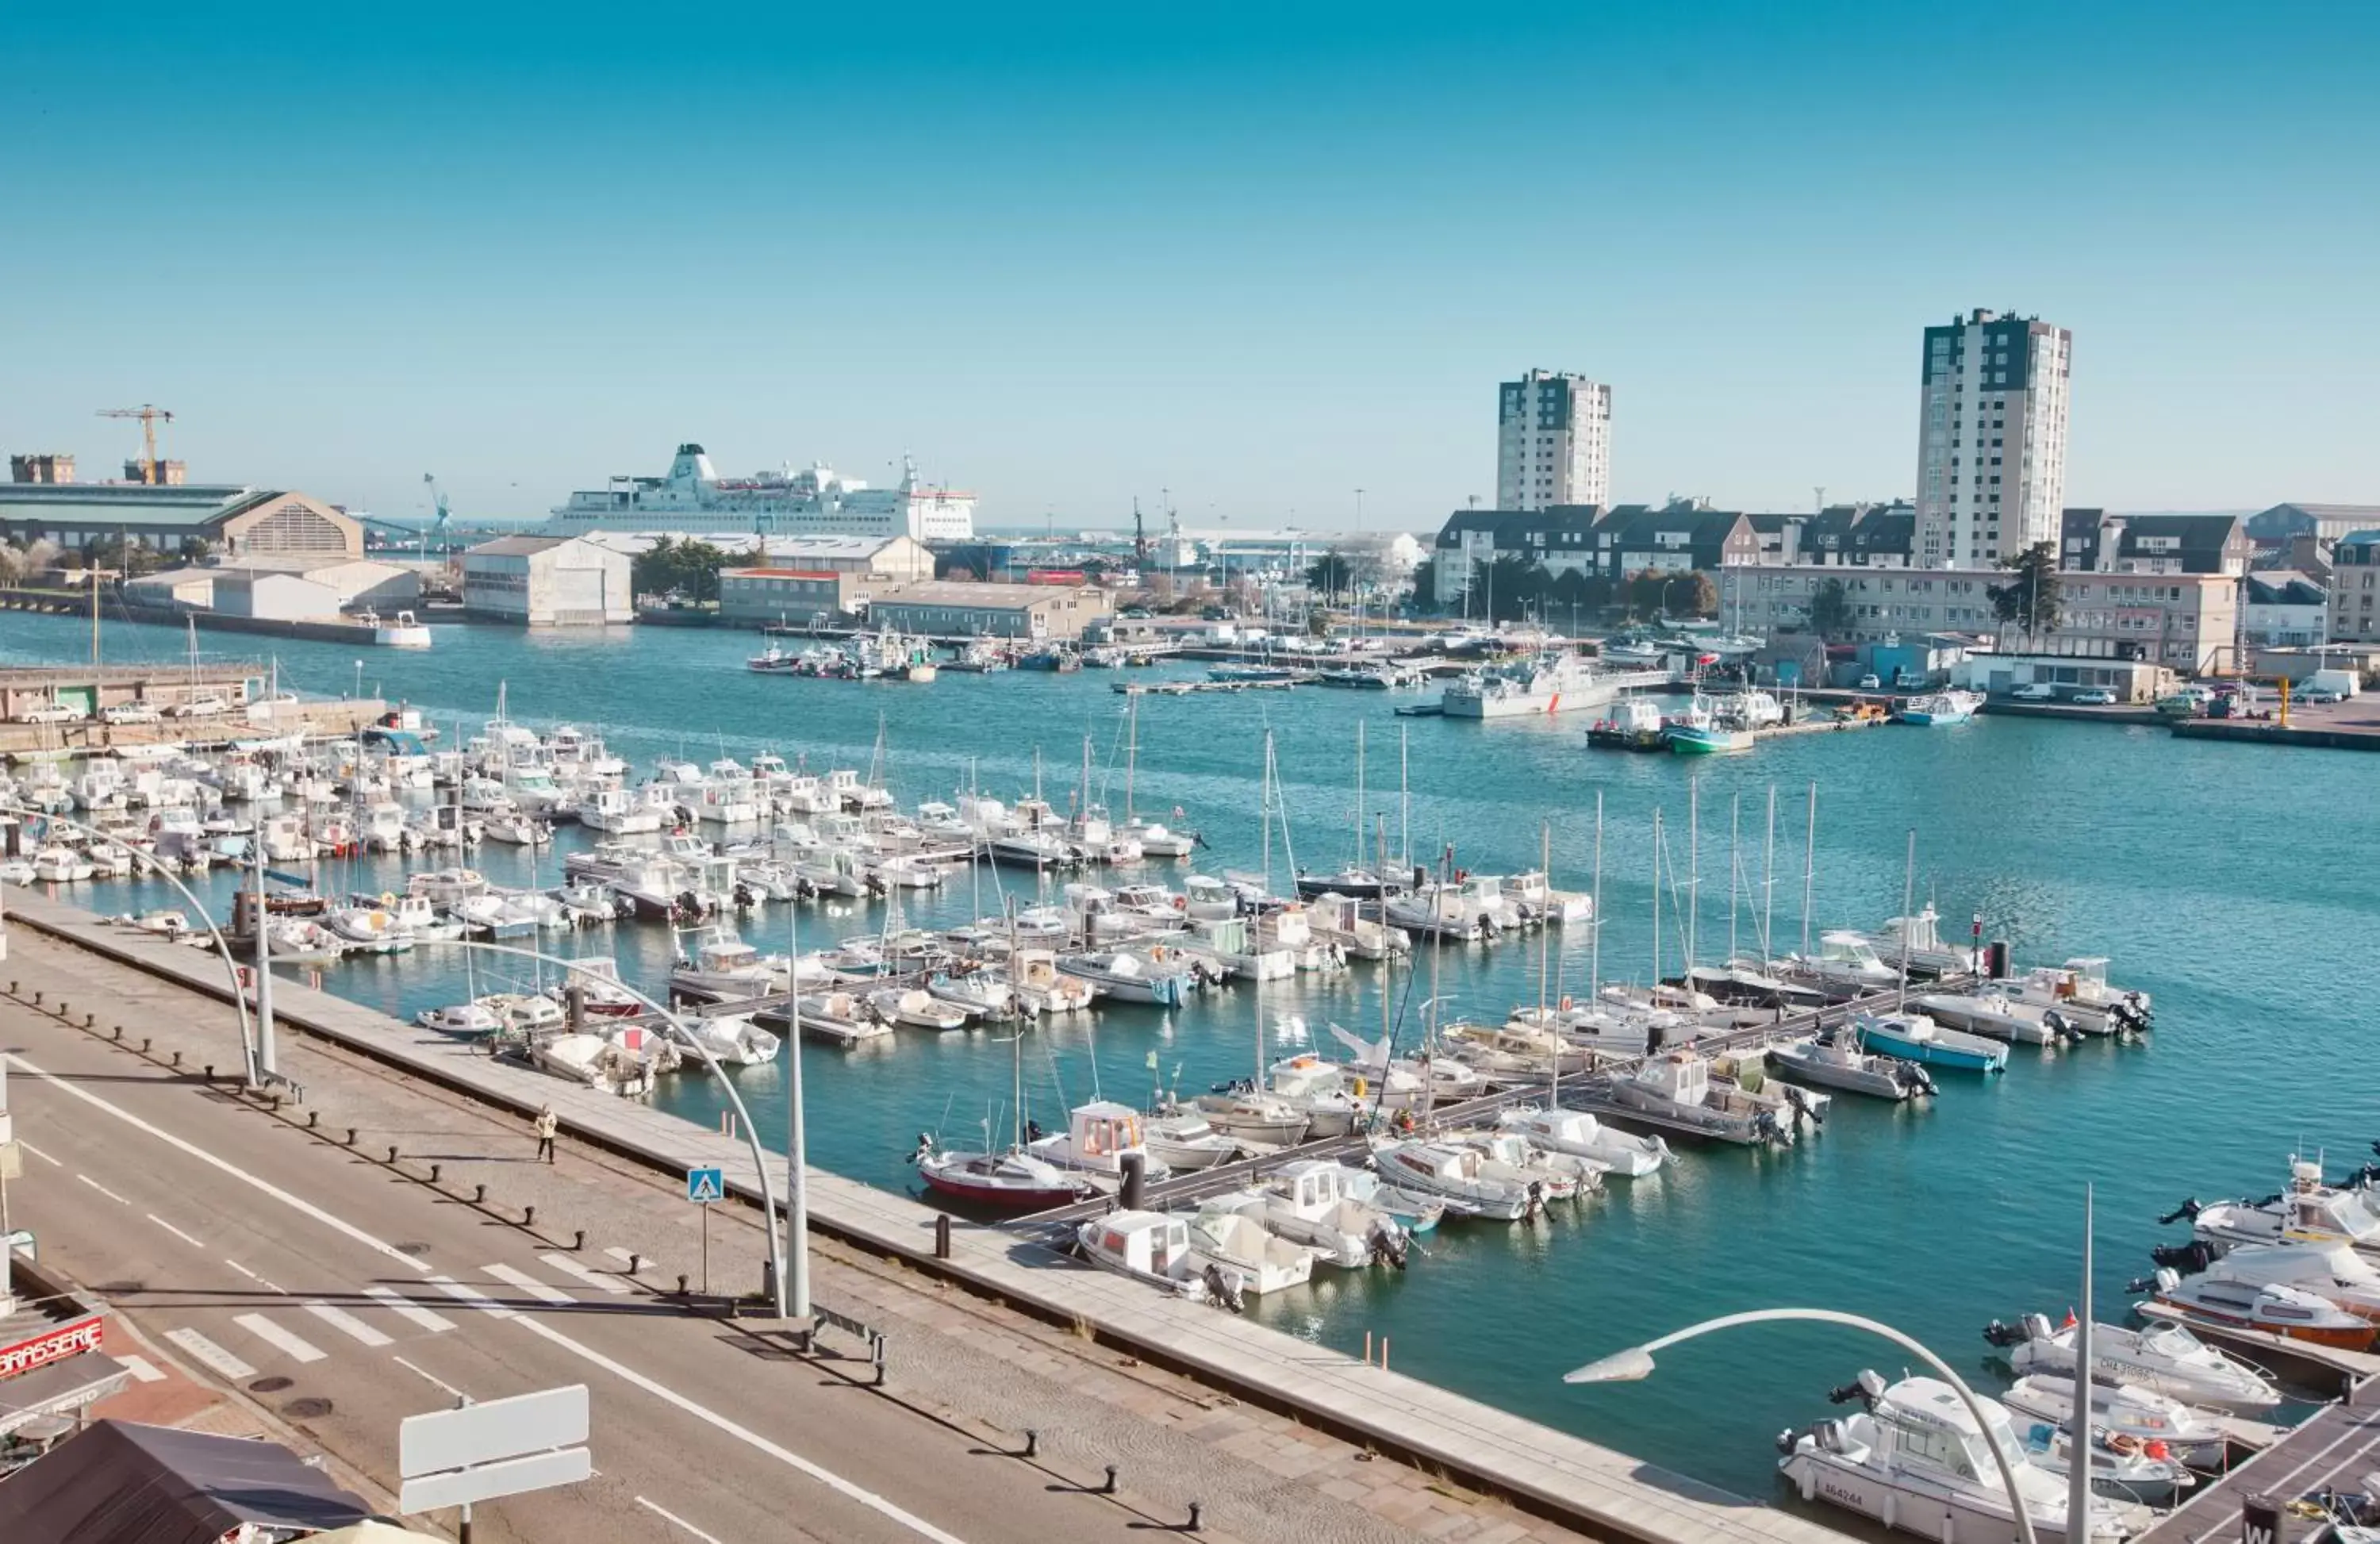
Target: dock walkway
column 1603, row 1492
column 2334, row 1449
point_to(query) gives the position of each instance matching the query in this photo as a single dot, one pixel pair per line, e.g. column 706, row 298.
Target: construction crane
column 1139, row 537
column 150, row 469
column 437, row 526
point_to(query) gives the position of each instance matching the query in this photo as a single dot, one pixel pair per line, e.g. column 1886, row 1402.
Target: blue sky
column 1259, row 255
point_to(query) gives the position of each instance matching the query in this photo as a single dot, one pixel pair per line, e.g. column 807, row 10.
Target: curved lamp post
column 231, row 966
column 1624, row 1367
column 751, row 1132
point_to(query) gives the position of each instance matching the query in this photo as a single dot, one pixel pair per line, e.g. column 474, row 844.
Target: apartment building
column 1991, row 439
column 1553, row 442
column 2355, row 588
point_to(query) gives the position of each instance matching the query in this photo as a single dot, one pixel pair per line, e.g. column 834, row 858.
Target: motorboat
column 60, row 864
column 732, row 1040
column 1580, row 1134
column 2269, row 1308
column 1320, row 1090
column 1677, row 1089
column 1996, row 1016
column 1152, row 1247
column 447, row 887
column 1014, row 1180
column 1633, row 723
column 2132, row 1471
column 2165, row 1358
column 1515, row 1051
column 1711, row 738
column 368, row 929
column 2330, row 1269
column 518, row 828
column 2080, row 991
column 524, row 1013
column 1253, row 1116
column 596, row 980
column 1414, row 1211
column 1459, row 1177
column 1239, row 1244
column 1846, row 966
column 596, row 1061
column 1160, row 977
column 1916, row 1459
column 1835, row 1060
column 1041, row 988
column 463, row 1020
column 1915, row 1037
column 916, row 1008
column 1185, row 1140
column 1918, row 939
column 978, row 993
column 1938, row 709
column 168, row 924
column 1308, row 1203
column 1563, row 1176
column 1096, row 1138
column 1355, row 883
column 2126, row 1414
column 1156, row 841
column 723, row 967
column 2309, row 1211
column 1341, row 920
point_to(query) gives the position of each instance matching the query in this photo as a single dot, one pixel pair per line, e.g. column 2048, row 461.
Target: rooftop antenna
column 1821, row 491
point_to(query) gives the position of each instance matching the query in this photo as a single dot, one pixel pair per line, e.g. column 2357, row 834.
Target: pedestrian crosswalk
column 377, row 1318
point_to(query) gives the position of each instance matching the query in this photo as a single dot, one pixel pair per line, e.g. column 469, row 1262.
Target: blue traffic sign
column 705, row 1185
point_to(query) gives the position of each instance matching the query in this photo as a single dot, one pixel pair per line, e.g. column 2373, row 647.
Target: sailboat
column 1356, row 881
column 1013, row 1179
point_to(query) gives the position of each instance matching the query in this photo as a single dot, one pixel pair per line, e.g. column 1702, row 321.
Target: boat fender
column 2123, row 1443
column 1180, row 902
column 388, row 897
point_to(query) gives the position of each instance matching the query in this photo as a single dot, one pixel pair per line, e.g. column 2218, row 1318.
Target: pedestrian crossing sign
column 705, row 1185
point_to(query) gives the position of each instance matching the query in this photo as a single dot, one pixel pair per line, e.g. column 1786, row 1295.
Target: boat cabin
column 1101, row 1133
column 1146, row 1243
column 1928, row 1426
column 1681, row 1077
column 1312, row 1186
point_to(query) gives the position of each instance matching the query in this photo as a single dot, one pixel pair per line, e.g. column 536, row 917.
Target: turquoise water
column 2236, row 882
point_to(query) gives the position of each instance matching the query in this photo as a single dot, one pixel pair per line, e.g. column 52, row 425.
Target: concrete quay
column 1578, row 1484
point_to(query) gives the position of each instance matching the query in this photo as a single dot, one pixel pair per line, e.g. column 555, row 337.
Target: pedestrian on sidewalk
column 547, row 1125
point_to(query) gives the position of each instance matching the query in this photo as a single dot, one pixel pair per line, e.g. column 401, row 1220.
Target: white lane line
column 270, row 1287
column 410, row 1309
column 274, row 1335
column 175, row 1232
column 619, row 1254
column 529, row 1283
column 786, row 1456
column 339, row 1224
column 668, row 1517
column 473, row 1296
column 39, row 1153
column 141, row 1368
column 429, row 1377
column 569, row 1267
column 103, row 1190
column 242, row 1269
column 349, row 1324
column 214, row 1355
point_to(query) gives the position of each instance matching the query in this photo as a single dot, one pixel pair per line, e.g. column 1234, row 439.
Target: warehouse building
column 358, row 584
column 818, row 578
column 547, row 581
column 243, row 522
column 948, row 608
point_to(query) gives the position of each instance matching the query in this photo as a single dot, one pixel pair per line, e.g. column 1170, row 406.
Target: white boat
column 368, row 929
column 2140, row 1417
column 2166, row 1358
column 2309, row 1211
column 465, row 1020
column 1834, row 1059
column 1994, row 1013
column 2126, row 1471
column 2275, row 1307
column 1254, row 1117
column 1240, row 1245
column 917, row 1008
column 1096, row 1138
column 1677, row 1089
column 618, row 812
column 59, row 864
column 448, row 887
column 524, row 1012
column 1159, row 977
column 1042, row 987
column 1185, row 1141
column 1939, row 708
column 2080, row 991
column 1562, row 1176
column 596, row 1061
column 723, row 967
column 1152, row 1247
column 1156, row 841
column 1845, row 966
column 1916, row 1460
column 732, row 1040
column 2330, row 1268
column 1579, row 1134
column 1546, row 683
column 519, row 829
column 1309, row 1202
column 1458, row 1175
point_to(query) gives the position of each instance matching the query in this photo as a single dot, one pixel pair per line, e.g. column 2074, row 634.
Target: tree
column 1645, row 591
column 1830, row 611
column 1693, row 594
column 125, row 559
column 1330, row 575
column 1508, row 588
column 1424, row 584
column 679, row 566
column 2033, row 598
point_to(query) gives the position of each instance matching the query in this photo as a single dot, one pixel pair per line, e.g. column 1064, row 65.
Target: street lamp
column 1628, row 1367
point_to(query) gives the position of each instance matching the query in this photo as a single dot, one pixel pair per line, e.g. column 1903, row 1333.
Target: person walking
column 547, row 1125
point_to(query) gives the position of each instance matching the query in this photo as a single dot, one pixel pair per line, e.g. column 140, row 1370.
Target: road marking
column 214, row 1355
column 270, row 1287
column 791, row 1459
column 569, row 1267
column 142, row 1369
column 242, row 1269
column 668, row 1517
column 273, row 1334
column 429, row 1377
column 471, row 1295
column 39, row 1153
column 175, row 1232
column 347, row 1324
column 295, row 1203
column 103, row 1190
column 410, row 1309
column 619, row 1254
column 529, row 1283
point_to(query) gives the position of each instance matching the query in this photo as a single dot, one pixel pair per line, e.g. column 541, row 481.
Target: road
column 346, row 1297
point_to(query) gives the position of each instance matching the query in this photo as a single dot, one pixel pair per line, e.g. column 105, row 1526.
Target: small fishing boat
column 1707, row 740
column 1161, row 977
column 1998, row 1016
column 2140, row 1416
column 1251, row 1115
column 1457, row 1176
column 1096, row 1138
column 1153, row 1247
column 1579, row 1134
column 1677, row 1089
column 732, row 1040
column 2165, row 1358
column 1014, row 1181
column 1938, row 709
column 463, row 1020
column 2129, row 1471
column 1835, row 1060
column 1410, row 1209
column 1915, row 1037
column 2309, row 1211
column 916, row 1008
column 1186, row 1140
column 1308, row 1202
column 2268, row 1308
column 1239, row 1244
column 523, row 1013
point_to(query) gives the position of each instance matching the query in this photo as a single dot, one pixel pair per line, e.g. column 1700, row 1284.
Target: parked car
column 2093, row 697
column 1869, row 682
column 130, row 713
column 53, row 712
column 2322, row 694
column 200, row 707
column 2035, row 691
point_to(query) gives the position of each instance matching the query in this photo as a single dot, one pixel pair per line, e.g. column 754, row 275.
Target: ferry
column 693, row 499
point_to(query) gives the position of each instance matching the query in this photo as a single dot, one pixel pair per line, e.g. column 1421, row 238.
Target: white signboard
column 501, row 1448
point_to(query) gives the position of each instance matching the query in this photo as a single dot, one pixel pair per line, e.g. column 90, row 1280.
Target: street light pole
column 1638, row 1363
column 797, row 1195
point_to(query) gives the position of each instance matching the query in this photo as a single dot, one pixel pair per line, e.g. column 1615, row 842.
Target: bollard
column 941, row 1235
column 528, row 1216
column 177, row 1061
column 479, row 1195
column 351, row 1136
column 1032, row 1444
column 579, row 1240
column 1368, row 1348
column 119, row 1034
column 63, row 1007
column 681, row 1286
column 392, row 1155
column 12, row 986
column 434, row 1170
column 1197, row 1510
column 144, row 1045
column 211, row 1072
column 313, row 1119
column 37, row 1000
column 636, row 1263
column 1384, row 1352
column 89, row 1019
column 1110, row 1487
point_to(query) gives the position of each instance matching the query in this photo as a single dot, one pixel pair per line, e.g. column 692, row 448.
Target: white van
column 2328, row 686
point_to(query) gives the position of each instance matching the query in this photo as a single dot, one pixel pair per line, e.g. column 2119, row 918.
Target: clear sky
column 1261, row 255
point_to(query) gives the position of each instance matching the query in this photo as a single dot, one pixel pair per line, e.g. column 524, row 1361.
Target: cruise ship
column 694, row 500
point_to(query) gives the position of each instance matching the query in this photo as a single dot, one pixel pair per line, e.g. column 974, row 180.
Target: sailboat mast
column 1389, row 960
column 1017, row 1041
column 1908, row 895
column 1357, row 863
column 1657, row 899
column 1264, row 810
column 1404, row 801
column 1437, row 949
column 1694, row 866
column 1809, row 866
column 1545, row 955
column 1734, row 864
column 1595, row 921
column 1131, row 751
column 1768, row 878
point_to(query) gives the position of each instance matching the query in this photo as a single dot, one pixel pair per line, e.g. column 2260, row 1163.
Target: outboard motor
column 2031, row 1327
column 1867, row 1388
column 1386, row 1244
column 1223, row 1287
column 1765, row 1127
column 925, row 1145
column 1535, row 1204
column 2059, row 1025
column 2188, row 1207
column 2191, row 1258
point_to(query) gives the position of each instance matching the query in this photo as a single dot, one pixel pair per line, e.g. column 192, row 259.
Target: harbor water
column 2236, row 884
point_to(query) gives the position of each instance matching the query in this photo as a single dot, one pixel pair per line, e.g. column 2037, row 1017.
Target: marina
column 912, row 1078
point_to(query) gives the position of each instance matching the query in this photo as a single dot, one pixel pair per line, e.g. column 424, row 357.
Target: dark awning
column 118, row 1483
column 62, row 1387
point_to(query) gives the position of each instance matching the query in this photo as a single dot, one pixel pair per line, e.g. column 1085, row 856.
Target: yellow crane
column 150, row 469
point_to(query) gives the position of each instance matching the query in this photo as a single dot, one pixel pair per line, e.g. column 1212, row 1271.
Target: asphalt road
column 347, row 1297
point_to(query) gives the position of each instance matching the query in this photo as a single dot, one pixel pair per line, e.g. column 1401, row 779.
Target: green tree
column 680, row 566
column 1509, row 588
column 1830, row 611
column 1694, row 593
column 124, row 559
column 1330, row 575
column 1646, row 589
column 2033, row 598
column 1424, row 585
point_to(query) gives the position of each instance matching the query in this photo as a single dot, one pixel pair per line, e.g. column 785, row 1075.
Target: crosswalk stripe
column 529, row 1283
column 274, row 1335
column 142, row 1369
column 398, row 1304
column 347, row 1324
column 471, row 1295
column 569, row 1267
column 214, row 1355
column 618, row 1254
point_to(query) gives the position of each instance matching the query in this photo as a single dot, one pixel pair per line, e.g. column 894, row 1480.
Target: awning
column 61, row 1389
